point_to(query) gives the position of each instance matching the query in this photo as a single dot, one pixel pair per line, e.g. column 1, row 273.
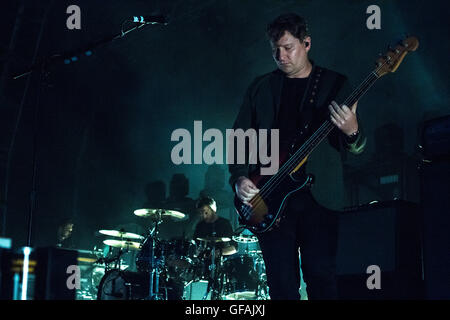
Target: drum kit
column 179, row 269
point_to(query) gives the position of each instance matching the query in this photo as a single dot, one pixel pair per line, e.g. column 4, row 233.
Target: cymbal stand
column 261, row 291
column 119, row 255
column 115, row 259
column 212, row 269
column 212, row 282
column 153, row 294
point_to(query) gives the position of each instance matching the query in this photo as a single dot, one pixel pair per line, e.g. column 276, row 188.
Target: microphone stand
column 75, row 55
column 42, row 68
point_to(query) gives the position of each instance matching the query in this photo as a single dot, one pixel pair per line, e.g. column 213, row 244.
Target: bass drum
column 127, row 285
column 241, row 278
column 123, row 285
column 196, row 290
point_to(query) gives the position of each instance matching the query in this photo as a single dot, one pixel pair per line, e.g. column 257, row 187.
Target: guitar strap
column 323, row 87
column 309, row 100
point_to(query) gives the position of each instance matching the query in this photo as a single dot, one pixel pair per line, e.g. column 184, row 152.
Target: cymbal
column 228, row 251
column 121, row 234
column 215, row 239
column 122, row 244
column 245, row 239
column 254, row 252
column 164, row 213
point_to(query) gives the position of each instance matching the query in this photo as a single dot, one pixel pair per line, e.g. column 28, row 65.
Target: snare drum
column 241, row 278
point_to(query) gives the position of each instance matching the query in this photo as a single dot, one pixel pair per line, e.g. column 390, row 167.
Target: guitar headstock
column 391, row 60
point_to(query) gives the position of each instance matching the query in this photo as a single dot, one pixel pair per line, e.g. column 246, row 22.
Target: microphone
column 151, row 19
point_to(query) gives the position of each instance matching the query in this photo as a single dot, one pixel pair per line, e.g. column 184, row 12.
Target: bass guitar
column 267, row 205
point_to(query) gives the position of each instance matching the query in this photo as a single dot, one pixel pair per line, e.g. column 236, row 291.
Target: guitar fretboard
column 323, row 131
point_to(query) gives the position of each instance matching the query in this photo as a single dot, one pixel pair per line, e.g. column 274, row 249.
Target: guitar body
column 267, row 207
column 266, row 211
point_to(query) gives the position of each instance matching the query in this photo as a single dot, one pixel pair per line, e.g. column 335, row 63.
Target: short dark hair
column 291, row 22
column 204, row 201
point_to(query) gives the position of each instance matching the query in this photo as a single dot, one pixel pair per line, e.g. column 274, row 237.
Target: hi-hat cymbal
column 160, row 213
column 121, row 234
column 245, row 239
column 214, row 239
column 122, row 244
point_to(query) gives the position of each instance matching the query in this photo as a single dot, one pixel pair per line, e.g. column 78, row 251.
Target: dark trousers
column 313, row 229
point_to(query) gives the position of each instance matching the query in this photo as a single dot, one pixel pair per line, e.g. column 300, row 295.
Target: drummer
column 212, row 225
column 64, row 235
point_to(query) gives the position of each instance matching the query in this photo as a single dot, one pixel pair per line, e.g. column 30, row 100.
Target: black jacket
column 261, row 104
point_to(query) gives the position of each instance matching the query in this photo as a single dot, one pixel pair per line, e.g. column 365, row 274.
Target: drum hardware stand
column 214, row 276
column 212, row 268
column 118, row 258
column 153, row 294
column 107, row 261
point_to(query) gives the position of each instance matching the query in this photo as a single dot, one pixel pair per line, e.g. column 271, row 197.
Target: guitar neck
column 361, row 89
column 327, row 126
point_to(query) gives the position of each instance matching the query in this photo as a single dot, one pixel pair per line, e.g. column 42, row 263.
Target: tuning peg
column 385, row 57
column 378, row 63
column 391, row 49
column 402, row 41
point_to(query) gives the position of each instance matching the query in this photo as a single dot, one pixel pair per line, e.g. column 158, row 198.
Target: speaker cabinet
column 435, row 194
column 51, row 273
column 387, row 235
column 6, row 279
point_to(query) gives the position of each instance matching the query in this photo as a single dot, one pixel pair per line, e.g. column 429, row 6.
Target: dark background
column 104, row 122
